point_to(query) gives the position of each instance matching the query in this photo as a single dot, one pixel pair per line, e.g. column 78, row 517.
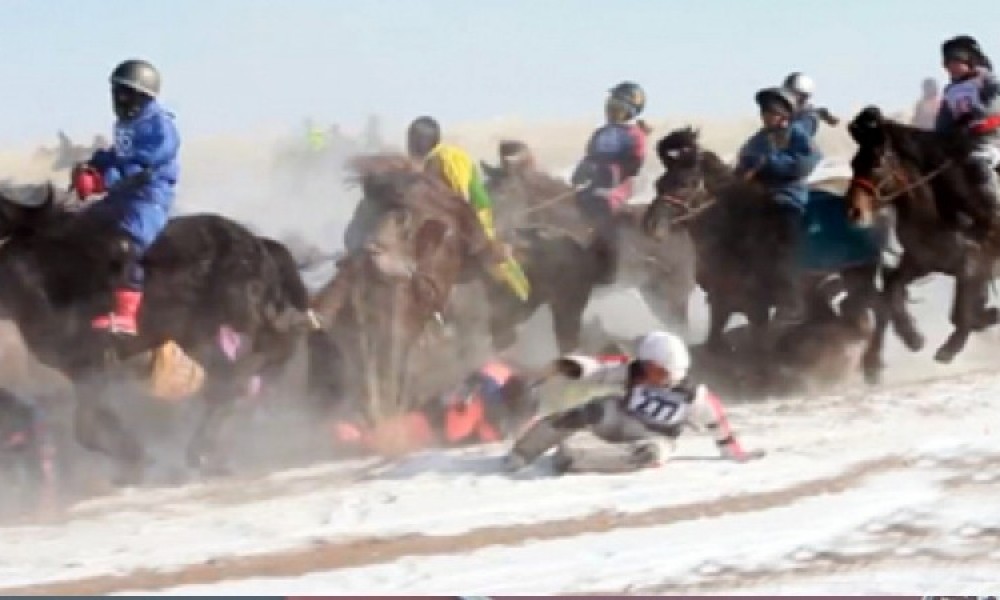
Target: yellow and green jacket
column 459, row 171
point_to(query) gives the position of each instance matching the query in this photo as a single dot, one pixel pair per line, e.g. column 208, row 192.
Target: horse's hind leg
column 100, row 429
column 967, row 315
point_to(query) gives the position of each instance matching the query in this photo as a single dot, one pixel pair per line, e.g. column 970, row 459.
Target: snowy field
column 888, row 492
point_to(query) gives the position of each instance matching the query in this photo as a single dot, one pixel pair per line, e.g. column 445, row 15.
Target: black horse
column 920, row 173
column 731, row 223
column 206, row 276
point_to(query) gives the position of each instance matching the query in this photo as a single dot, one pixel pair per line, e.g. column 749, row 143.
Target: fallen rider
column 492, row 403
column 656, row 403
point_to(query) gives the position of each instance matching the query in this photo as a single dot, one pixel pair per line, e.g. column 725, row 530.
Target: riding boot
column 128, row 294
column 124, row 319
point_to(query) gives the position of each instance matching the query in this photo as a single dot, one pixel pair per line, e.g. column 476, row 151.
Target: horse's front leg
column 719, row 313
column 896, row 281
column 863, row 296
column 968, row 314
column 100, row 429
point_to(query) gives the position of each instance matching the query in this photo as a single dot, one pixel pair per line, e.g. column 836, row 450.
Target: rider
column 801, row 87
column 458, row 171
column 656, row 401
column 614, row 156
column 971, row 101
column 781, row 156
column 139, row 172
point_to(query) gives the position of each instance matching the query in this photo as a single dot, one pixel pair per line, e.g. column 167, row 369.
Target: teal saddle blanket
column 831, row 242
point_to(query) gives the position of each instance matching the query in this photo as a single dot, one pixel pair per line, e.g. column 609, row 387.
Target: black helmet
column 137, row 75
column 422, row 136
column 965, row 48
column 776, row 98
column 631, row 95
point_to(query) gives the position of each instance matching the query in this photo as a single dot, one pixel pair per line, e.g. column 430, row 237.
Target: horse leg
column 668, row 302
column 966, row 316
column 220, row 396
column 100, row 429
column 863, row 295
column 896, row 281
column 719, row 314
column 567, row 320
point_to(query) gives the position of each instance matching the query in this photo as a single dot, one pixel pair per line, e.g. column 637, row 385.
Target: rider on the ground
column 971, row 101
column 781, row 157
column 458, row 171
column 657, row 401
column 140, row 172
column 802, row 87
column 614, row 156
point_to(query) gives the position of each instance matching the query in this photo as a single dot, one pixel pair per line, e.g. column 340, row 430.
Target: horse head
column 896, row 161
column 682, row 190
column 679, row 149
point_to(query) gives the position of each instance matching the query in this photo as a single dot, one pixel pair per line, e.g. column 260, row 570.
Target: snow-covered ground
column 888, row 492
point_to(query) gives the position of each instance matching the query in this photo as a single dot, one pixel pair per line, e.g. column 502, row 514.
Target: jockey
column 802, row 86
column 139, row 173
column 657, row 400
column 971, row 101
column 458, row 171
column 614, row 156
column 781, row 157
column 490, row 404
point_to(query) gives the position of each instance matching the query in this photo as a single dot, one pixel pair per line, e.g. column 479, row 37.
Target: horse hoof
column 946, row 354
column 913, row 341
column 873, row 374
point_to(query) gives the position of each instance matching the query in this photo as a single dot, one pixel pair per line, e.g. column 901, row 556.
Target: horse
column 538, row 214
column 411, row 241
column 919, row 173
column 228, row 300
column 724, row 216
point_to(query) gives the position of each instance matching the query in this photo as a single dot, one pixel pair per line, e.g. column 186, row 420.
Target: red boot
column 123, row 320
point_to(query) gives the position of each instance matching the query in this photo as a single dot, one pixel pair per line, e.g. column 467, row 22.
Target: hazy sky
column 231, row 65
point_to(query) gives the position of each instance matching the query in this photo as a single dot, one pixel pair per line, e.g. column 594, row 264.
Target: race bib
column 123, row 141
column 962, row 98
column 658, row 407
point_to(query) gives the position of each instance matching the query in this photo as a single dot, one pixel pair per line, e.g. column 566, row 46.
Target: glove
column 827, row 116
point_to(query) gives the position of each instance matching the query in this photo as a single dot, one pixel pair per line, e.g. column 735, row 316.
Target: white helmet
column 799, row 83
column 666, row 350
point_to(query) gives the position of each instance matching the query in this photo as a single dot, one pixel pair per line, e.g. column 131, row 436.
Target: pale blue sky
column 231, row 65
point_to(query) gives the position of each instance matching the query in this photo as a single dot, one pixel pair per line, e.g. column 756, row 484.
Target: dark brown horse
column 413, row 239
column 731, row 228
column 208, row 278
column 919, row 174
column 538, row 214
